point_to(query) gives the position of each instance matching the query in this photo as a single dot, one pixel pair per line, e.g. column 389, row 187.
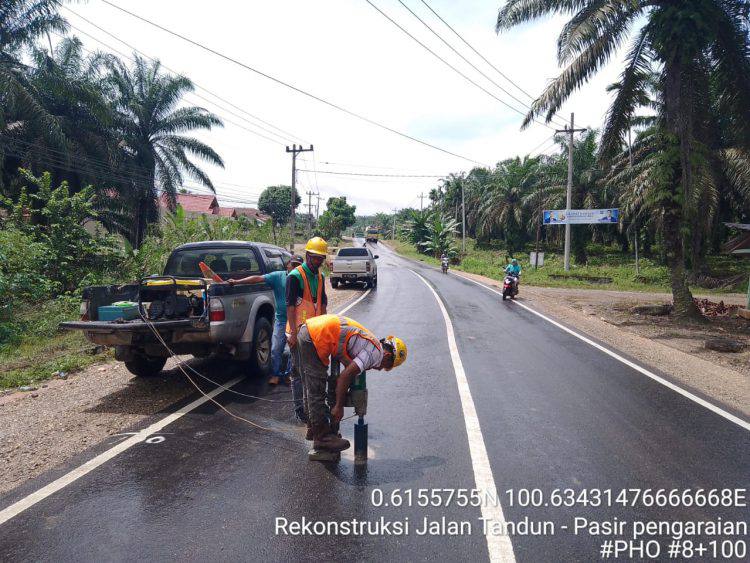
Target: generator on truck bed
column 190, row 314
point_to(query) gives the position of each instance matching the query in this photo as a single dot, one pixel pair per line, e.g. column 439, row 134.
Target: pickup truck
column 191, row 314
column 356, row 264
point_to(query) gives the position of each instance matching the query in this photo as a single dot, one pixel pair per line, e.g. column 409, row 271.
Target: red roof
column 226, row 211
column 193, row 202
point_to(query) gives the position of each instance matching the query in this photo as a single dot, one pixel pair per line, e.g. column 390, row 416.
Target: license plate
column 350, row 276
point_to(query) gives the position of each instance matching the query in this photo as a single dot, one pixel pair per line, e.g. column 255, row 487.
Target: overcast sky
column 347, row 53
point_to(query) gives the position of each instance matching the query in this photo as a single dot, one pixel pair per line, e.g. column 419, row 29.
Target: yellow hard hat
column 399, row 350
column 317, row 245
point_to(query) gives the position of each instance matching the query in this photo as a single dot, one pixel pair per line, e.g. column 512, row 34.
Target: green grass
column 603, row 263
column 40, row 348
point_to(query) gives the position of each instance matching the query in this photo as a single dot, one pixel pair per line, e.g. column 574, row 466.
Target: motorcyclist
column 444, row 261
column 514, row 269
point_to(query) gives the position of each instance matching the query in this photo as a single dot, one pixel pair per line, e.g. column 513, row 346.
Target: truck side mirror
column 376, row 257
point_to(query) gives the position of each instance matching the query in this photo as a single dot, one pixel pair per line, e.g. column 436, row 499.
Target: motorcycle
column 510, row 286
column 444, row 265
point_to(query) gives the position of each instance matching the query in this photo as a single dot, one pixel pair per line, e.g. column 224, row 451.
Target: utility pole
column 569, row 197
column 295, row 150
column 309, row 213
column 463, row 220
column 317, row 206
column 394, row 223
column 421, row 201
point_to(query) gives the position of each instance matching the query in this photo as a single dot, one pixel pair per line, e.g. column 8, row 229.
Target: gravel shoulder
column 677, row 350
column 41, row 430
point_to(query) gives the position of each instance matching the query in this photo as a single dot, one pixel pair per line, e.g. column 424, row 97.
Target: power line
column 436, row 34
column 380, row 175
column 480, row 54
column 454, row 69
column 289, row 136
column 290, row 86
column 131, row 58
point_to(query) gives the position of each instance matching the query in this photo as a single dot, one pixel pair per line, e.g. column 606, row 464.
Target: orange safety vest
column 330, row 335
column 307, row 308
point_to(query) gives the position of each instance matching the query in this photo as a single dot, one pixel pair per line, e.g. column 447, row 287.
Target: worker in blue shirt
column 277, row 282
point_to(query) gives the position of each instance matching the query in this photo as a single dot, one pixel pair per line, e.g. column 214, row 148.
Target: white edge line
column 360, row 298
column 17, row 507
column 27, row 502
column 499, row 546
column 685, row 393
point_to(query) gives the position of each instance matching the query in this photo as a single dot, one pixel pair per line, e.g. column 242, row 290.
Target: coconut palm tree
column 21, row 23
column 151, row 129
column 695, row 45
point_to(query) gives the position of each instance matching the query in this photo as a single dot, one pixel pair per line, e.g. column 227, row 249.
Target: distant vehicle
column 352, row 265
column 372, row 234
column 192, row 315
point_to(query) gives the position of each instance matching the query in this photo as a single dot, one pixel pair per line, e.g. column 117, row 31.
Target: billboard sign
column 580, row 216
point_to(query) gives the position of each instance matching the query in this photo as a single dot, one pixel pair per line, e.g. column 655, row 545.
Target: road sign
column 580, row 216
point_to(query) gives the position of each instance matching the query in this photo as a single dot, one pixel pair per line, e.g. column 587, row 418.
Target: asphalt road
column 552, row 412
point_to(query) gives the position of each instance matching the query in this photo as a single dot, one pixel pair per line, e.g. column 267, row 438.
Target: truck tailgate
column 346, row 266
column 133, row 326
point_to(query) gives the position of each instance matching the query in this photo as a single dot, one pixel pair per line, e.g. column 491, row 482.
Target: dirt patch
column 675, row 349
column 62, row 418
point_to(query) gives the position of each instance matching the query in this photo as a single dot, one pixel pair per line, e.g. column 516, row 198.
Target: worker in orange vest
column 327, row 337
column 305, row 298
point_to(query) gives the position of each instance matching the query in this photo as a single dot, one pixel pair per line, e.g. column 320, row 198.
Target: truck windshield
column 237, row 262
column 353, row 252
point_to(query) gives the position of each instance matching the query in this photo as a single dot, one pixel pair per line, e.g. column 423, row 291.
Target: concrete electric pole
column 569, row 197
column 309, row 213
column 421, row 202
column 295, row 150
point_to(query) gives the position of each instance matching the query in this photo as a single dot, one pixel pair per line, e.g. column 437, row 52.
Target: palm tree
column 694, row 44
column 21, row 23
column 502, row 209
column 151, row 127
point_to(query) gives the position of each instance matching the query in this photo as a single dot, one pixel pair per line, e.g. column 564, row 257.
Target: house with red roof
column 192, row 204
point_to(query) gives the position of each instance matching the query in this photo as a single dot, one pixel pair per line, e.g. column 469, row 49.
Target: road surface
column 490, row 394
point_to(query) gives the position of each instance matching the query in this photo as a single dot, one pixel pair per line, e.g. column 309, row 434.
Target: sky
column 347, row 53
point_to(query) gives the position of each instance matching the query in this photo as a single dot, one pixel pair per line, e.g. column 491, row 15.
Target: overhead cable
column 453, row 68
column 290, row 86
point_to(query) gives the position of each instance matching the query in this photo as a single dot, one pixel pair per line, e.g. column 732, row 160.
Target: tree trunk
column 679, row 116
column 273, row 230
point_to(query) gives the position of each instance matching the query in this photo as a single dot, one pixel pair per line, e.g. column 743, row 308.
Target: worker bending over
column 327, row 337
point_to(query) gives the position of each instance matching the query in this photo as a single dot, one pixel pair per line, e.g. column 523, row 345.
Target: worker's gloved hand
column 337, row 413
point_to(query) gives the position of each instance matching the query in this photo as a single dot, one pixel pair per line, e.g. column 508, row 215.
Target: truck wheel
column 260, row 356
column 335, row 284
column 374, row 283
column 143, row 366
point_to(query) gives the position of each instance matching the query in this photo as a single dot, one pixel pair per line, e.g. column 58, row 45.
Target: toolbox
column 115, row 312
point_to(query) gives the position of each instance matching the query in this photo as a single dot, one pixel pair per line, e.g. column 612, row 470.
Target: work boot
column 328, row 441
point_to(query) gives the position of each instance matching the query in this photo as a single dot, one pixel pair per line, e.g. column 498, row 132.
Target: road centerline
column 499, row 547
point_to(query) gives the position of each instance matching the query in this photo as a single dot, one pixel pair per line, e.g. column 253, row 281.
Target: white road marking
column 16, row 508
column 499, row 546
column 684, row 392
column 352, row 304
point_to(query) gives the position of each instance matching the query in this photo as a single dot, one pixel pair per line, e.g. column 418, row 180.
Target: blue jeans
column 278, row 343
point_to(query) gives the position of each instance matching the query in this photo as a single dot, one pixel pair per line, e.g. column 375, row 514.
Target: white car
column 354, row 264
